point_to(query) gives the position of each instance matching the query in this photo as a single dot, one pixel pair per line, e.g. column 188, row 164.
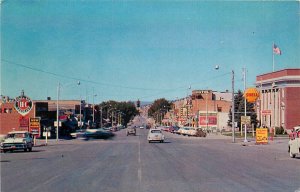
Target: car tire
column 292, row 155
column 149, row 141
column 25, row 150
column 162, row 141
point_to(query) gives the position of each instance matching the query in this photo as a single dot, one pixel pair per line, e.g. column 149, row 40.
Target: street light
column 112, row 115
column 57, row 106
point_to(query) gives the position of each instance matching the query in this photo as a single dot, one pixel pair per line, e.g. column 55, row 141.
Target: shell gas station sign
column 251, row 95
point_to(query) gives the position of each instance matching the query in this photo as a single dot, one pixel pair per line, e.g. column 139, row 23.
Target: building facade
column 45, row 110
column 279, row 101
column 204, row 108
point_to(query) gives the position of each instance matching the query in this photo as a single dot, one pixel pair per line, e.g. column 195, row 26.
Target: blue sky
column 141, row 49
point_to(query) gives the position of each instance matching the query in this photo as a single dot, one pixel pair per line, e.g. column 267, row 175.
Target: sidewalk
column 42, row 142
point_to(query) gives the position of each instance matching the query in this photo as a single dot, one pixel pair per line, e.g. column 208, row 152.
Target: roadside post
column 46, row 136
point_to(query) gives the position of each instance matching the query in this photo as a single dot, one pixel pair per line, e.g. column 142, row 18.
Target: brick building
column 193, row 110
column 279, row 102
column 11, row 120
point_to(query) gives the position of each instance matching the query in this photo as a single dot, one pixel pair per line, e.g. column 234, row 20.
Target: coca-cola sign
column 23, row 104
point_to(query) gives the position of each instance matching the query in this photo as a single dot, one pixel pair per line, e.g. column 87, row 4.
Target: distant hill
column 143, row 103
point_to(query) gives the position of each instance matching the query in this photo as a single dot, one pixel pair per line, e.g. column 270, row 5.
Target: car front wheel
column 292, row 155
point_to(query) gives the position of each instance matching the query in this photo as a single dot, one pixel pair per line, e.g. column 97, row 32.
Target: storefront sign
column 35, row 126
column 245, row 120
column 23, row 104
column 261, row 136
column 24, row 123
column 266, row 112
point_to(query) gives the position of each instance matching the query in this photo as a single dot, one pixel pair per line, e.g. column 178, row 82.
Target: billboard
column 212, row 120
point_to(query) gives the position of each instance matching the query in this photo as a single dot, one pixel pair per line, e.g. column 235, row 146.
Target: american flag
column 276, row 50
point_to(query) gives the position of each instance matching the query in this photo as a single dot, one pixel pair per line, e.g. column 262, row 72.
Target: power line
column 82, row 80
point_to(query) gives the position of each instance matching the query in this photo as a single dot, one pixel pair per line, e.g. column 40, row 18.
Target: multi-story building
column 279, row 102
column 204, row 108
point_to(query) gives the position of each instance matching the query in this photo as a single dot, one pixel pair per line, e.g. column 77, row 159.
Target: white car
column 184, row 130
column 17, row 140
column 156, row 135
column 294, row 142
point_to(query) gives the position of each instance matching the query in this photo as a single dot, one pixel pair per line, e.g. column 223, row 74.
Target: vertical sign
column 24, row 123
column 35, row 126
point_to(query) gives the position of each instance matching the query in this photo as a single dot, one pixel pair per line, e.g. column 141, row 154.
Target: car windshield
column 16, row 135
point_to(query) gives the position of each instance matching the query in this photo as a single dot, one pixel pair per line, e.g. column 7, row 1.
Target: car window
column 17, row 135
column 155, row 131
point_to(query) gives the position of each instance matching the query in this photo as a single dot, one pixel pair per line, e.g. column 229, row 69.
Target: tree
column 126, row 109
column 159, row 108
column 239, row 107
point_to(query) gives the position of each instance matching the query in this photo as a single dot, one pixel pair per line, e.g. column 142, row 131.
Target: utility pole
column 245, row 125
column 232, row 109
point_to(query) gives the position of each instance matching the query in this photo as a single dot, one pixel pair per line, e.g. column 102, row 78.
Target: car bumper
column 13, row 146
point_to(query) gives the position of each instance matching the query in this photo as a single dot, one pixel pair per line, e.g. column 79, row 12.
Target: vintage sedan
column 294, row 142
column 131, row 131
column 17, row 140
column 156, row 135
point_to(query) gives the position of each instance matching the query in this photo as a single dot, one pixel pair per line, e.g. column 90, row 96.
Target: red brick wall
column 212, row 105
column 292, row 107
column 10, row 120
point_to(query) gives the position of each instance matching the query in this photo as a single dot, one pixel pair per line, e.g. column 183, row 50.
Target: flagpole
column 273, row 56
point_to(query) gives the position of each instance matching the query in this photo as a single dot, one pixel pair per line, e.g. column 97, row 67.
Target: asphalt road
column 131, row 164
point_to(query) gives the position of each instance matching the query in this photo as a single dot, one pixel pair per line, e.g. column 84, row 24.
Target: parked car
column 17, row 140
column 165, row 128
column 200, row 133
column 184, row 130
column 131, row 131
column 155, row 135
column 294, row 142
column 191, row 132
column 174, row 129
column 179, row 130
